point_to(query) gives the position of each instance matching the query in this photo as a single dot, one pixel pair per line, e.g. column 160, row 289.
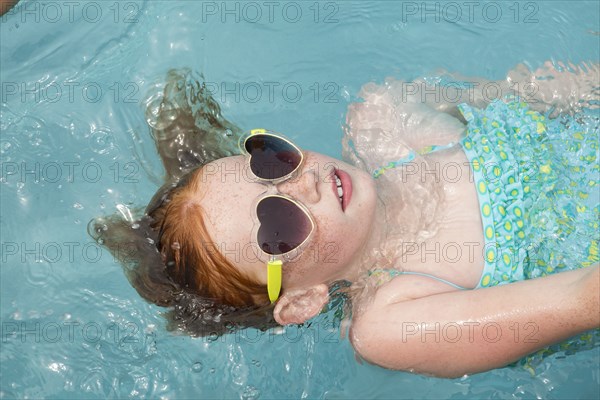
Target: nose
column 303, row 187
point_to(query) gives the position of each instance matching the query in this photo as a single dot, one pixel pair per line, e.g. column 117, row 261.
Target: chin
column 369, row 189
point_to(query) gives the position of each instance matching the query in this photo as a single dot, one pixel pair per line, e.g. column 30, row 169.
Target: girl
column 434, row 230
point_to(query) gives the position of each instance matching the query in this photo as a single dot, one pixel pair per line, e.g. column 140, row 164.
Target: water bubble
column 5, row 146
column 8, row 147
column 38, row 273
column 126, row 384
column 278, row 330
column 160, row 112
column 102, row 141
column 197, row 367
column 212, row 337
column 346, row 93
column 78, row 206
column 250, row 393
column 135, row 226
column 33, row 129
column 57, row 367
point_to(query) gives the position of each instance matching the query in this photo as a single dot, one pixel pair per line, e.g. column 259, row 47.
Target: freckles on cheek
column 328, row 243
column 340, row 244
column 328, row 247
column 321, row 237
column 300, row 269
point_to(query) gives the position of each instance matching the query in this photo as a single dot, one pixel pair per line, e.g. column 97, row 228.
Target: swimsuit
column 538, row 185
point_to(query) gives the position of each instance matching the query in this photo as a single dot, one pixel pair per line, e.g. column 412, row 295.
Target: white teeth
column 338, row 183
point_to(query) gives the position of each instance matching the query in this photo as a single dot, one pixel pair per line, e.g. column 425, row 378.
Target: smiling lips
column 342, row 187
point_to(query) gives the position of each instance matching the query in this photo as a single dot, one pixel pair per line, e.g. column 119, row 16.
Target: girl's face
column 228, row 192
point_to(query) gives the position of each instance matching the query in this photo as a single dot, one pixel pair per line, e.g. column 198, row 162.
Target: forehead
column 227, row 195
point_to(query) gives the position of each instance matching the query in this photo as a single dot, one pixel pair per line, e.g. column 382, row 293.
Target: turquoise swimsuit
column 538, row 184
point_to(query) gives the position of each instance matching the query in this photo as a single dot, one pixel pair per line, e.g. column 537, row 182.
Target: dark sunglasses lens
column 283, row 225
column 271, row 157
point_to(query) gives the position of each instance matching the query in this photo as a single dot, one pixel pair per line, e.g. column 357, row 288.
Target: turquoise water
column 75, row 145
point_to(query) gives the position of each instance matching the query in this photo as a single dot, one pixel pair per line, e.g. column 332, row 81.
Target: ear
column 298, row 306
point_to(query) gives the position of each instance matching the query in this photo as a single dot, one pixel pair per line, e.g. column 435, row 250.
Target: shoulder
column 380, row 334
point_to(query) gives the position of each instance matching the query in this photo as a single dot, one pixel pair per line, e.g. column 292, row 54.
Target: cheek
column 314, row 257
column 338, row 243
column 331, row 248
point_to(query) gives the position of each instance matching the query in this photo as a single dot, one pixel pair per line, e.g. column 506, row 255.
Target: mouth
column 342, row 187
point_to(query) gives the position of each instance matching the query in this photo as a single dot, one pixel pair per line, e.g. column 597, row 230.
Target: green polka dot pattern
column 538, row 183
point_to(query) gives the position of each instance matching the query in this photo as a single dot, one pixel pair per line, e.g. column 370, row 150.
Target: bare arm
column 461, row 332
column 390, row 122
column 564, row 91
column 545, row 89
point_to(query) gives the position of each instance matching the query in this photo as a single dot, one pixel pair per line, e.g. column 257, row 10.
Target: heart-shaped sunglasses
column 283, row 225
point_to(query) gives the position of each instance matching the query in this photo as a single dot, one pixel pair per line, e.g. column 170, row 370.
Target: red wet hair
column 191, row 258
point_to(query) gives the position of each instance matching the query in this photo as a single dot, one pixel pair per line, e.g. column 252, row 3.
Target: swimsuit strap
column 394, row 272
column 411, row 156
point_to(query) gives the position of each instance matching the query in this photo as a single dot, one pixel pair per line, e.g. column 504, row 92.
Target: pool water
column 75, row 144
